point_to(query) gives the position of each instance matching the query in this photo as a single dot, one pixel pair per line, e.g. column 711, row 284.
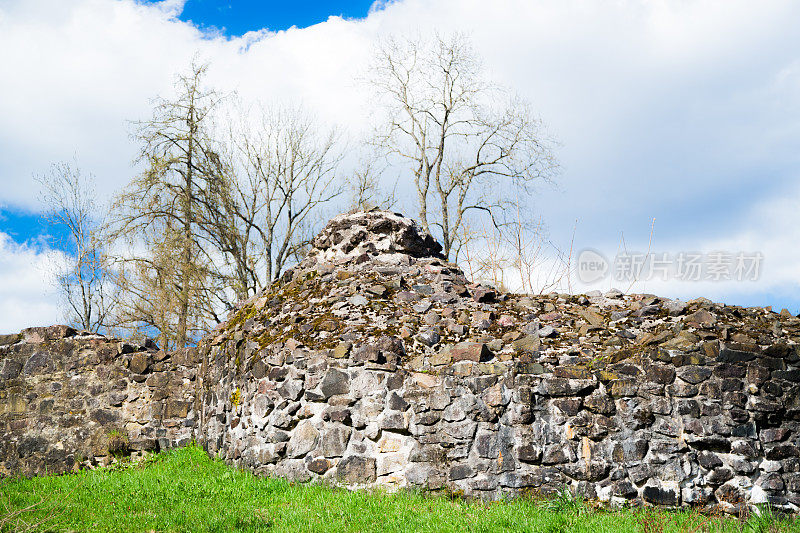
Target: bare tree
column 215, row 217
column 471, row 147
column 166, row 205
column 282, row 171
column 364, row 187
column 82, row 280
column 150, row 299
column 520, row 258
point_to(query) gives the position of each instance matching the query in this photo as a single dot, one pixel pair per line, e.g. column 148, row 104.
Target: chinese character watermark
column 593, row 266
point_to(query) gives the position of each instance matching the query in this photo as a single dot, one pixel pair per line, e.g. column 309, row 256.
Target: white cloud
column 26, row 295
column 769, row 229
column 688, row 112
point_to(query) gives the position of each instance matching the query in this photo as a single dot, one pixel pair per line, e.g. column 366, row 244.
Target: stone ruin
column 375, row 363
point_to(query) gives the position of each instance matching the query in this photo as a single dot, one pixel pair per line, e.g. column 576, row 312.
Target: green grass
column 184, row 490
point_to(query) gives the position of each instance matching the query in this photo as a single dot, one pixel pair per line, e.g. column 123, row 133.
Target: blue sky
column 237, row 17
column 25, row 226
column 232, row 18
column 683, row 112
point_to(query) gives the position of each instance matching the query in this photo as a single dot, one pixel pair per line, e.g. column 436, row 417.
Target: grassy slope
column 184, row 490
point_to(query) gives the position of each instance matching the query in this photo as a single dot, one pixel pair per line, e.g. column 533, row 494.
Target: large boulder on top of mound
column 380, row 234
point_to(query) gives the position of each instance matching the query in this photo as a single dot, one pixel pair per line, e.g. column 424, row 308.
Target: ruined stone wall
column 383, row 368
column 376, row 363
column 716, row 428
column 68, row 400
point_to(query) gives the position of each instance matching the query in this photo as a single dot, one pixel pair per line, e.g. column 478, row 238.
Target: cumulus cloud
column 768, row 229
column 688, row 112
column 26, row 294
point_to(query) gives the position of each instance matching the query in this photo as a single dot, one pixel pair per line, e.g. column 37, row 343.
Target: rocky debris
column 381, row 234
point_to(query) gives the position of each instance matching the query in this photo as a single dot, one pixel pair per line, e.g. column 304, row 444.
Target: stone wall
column 376, row 363
column 385, row 369
column 642, row 428
column 68, row 400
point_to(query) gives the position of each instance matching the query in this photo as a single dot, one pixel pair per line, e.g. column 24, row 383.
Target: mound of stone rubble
column 376, row 363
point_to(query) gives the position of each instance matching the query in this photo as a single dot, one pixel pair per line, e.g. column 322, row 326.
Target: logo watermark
column 592, row 266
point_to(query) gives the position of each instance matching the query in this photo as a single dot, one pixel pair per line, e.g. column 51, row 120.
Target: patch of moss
column 236, row 397
column 242, row 315
column 118, row 443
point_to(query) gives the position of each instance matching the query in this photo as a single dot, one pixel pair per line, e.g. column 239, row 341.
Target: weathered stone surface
column 565, row 387
column 664, row 495
column 425, row 475
column 304, row 439
column 319, row 466
column 333, row 373
column 527, row 343
column 139, row 363
column 377, row 232
column 429, row 337
column 38, row 363
column 483, row 294
column 469, row 351
column 694, row 374
column 599, row 402
column 356, row 469
column 70, row 392
column 10, row 369
column 335, row 382
column 291, row 389
column 10, row 338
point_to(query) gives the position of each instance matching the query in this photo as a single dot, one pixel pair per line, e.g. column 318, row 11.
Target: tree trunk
column 186, row 256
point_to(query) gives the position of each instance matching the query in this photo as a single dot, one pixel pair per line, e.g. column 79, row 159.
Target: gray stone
column 291, row 389
column 664, row 496
column 359, row 300
column 565, row 387
column 547, row 331
column 335, row 382
column 557, row 454
column 304, row 438
column 392, row 420
column 422, row 307
column 9, row 369
column 38, row 363
column 429, row 337
column 424, row 475
column 694, row 374
column 674, row 307
column 397, row 403
column 599, row 402
column 356, row 469
column 461, row 472
column 334, row 440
